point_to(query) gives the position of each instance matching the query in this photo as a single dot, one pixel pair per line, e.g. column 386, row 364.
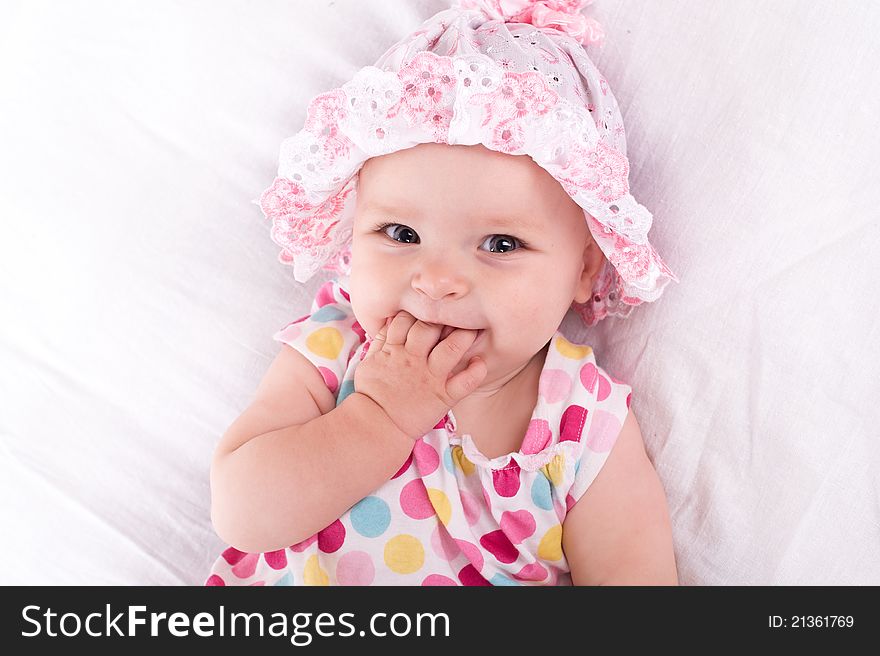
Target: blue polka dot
column 345, row 389
column 541, row 493
column 287, row 579
column 370, row 517
column 447, row 460
column 500, row 579
column 328, row 313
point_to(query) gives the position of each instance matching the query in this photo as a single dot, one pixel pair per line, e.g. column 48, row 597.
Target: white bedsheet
column 139, row 288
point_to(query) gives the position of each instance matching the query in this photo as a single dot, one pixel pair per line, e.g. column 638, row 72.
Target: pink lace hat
column 509, row 74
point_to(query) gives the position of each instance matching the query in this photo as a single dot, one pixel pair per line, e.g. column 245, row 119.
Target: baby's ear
column 593, row 260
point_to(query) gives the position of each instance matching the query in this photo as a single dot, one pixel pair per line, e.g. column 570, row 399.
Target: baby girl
column 428, row 423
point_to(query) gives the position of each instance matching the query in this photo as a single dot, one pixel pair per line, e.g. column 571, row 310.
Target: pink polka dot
column 506, row 481
column 257, row 583
column 443, row 544
column 588, row 375
column 329, row 378
column 233, row 555
column 355, row 568
column 487, row 499
column 359, row 331
column 571, row 425
column 292, row 331
column 426, row 457
column 414, row 500
column 276, row 559
column 604, row 430
column 469, row 576
column 604, row 388
column 246, row 567
column 471, row 507
column 532, row 572
column 299, row 547
column 517, row 525
column 569, row 502
column 438, row 579
column 325, row 294
column 441, row 423
column 537, row 437
column 332, row 537
column 554, row 385
column 403, row 467
column 497, row 544
column 344, row 294
column 215, row 580
column 471, row 552
column 628, row 399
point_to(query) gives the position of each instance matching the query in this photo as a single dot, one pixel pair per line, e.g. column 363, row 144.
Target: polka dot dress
column 451, row 516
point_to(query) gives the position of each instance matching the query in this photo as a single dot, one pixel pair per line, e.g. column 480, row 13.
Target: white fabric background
column 139, row 288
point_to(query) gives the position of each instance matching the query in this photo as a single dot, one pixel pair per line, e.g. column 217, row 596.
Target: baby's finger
column 399, row 328
column 451, row 350
column 423, row 337
column 465, row 382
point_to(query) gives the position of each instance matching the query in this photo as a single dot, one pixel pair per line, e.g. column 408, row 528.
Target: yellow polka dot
column 441, row 504
column 555, row 469
column 461, row 460
column 326, row 342
column 550, row 547
column 569, row 350
column 313, row 574
column 404, row 554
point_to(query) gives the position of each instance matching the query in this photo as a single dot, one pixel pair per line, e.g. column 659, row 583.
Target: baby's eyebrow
column 515, row 219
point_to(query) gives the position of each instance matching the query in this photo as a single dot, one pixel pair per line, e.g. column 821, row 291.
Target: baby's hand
column 407, row 372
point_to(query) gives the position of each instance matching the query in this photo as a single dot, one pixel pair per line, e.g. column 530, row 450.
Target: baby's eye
column 503, row 243
column 408, row 234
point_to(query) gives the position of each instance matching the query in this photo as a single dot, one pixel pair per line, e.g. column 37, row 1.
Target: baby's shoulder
column 625, row 505
column 625, row 465
column 329, row 336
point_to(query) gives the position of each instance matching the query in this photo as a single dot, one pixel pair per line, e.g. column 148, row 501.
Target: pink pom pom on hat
column 511, row 75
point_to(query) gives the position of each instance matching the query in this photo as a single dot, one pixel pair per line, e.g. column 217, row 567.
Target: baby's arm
column 619, row 531
column 292, row 463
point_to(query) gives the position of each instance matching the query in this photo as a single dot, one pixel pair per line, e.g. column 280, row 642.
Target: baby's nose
column 439, row 280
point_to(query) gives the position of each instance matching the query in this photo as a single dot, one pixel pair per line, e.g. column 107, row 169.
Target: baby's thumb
column 465, row 382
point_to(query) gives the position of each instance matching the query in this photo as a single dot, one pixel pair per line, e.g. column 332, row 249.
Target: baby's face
column 476, row 239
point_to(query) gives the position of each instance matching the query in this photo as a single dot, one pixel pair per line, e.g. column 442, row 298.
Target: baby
column 427, row 423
